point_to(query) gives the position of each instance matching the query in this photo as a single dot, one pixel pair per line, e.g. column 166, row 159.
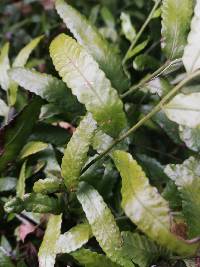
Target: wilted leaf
column 82, row 74
column 14, row 134
column 94, row 43
column 73, row 239
column 184, row 109
column 145, row 206
column 187, row 178
column 176, row 16
column 47, row 252
column 4, row 67
column 75, row 155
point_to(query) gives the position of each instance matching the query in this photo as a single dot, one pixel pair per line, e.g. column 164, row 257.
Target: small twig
column 150, row 77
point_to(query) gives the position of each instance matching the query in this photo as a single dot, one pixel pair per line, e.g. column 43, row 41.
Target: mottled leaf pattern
column 73, row 239
column 75, row 154
column 191, row 56
column 187, row 177
column 176, row 16
column 88, row 83
column 103, row 224
column 48, row 185
column 184, row 109
column 145, row 207
column 46, row 86
column 47, row 252
column 89, row 37
column 191, row 137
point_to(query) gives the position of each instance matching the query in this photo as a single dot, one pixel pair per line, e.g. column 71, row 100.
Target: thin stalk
column 150, row 77
column 137, row 37
column 156, row 109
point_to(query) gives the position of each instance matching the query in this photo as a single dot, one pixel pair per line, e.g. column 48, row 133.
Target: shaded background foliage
column 155, row 145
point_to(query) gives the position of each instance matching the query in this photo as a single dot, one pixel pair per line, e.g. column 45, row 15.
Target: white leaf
column 184, row 109
column 191, row 56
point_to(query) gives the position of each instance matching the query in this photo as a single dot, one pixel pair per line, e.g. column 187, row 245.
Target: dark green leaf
column 5, row 260
column 90, row 258
column 47, row 133
column 13, row 135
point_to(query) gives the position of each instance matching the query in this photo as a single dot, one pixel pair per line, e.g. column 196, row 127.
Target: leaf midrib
column 85, row 79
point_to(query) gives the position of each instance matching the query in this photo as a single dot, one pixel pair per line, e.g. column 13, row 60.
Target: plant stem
column 141, row 30
column 157, row 108
column 150, row 77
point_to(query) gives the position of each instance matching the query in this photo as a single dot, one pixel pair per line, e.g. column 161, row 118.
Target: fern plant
column 127, row 208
